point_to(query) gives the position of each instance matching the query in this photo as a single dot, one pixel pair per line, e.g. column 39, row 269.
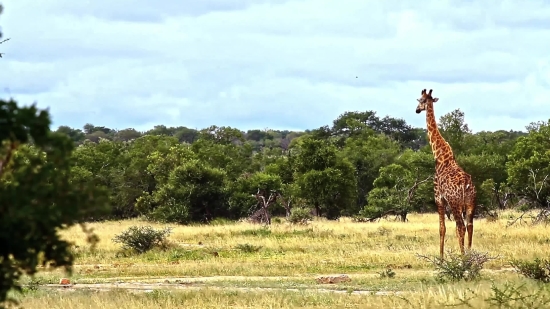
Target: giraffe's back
column 455, row 185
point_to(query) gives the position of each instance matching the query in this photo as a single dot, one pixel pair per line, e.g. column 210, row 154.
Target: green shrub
column 248, row 248
column 537, row 270
column 388, row 273
column 300, row 215
column 458, row 267
column 142, row 238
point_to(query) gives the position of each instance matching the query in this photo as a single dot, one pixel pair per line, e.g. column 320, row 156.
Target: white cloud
column 279, row 64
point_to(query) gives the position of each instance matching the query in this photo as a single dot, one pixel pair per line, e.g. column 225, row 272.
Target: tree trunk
column 403, row 216
column 317, row 210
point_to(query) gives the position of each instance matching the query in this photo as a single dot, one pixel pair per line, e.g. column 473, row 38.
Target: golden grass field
column 206, row 267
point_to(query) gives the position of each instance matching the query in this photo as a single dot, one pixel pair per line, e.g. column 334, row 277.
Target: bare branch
column 533, row 174
column 518, row 219
column 262, row 215
column 1, row 43
column 415, row 186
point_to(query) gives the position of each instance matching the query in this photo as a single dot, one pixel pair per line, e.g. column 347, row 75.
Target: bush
column 510, row 295
column 142, row 238
column 300, row 215
column 458, row 267
column 248, row 248
column 388, row 273
column 538, row 269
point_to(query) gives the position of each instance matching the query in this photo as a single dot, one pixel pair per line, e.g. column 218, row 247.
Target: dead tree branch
column 262, row 215
column 534, row 177
column 285, row 203
column 518, row 219
column 412, row 190
column 543, row 217
column 3, row 41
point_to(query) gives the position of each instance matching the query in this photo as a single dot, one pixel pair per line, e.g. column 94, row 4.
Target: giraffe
column 453, row 188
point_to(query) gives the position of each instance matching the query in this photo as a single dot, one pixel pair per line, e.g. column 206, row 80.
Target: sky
column 278, row 64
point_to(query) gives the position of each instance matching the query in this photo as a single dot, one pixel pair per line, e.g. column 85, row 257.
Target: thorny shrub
column 142, row 238
column 459, row 267
column 539, row 269
column 248, row 248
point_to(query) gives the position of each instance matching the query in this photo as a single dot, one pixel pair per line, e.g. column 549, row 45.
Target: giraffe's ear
column 436, row 99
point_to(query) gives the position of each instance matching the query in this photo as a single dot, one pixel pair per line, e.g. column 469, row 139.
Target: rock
column 64, row 281
column 332, row 279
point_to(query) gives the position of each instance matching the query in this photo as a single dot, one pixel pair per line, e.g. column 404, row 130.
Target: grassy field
column 241, row 265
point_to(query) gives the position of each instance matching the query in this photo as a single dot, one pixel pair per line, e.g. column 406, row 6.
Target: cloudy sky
column 281, row 64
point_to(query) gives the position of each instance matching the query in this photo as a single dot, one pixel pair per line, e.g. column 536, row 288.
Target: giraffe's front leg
column 442, row 229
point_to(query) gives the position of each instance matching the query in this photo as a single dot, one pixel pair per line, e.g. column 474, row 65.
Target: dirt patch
column 148, row 284
column 188, row 285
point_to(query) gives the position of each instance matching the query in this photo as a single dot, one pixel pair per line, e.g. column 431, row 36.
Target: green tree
column 224, row 148
column 326, row 180
column 421, row 166
column 528, row 164
column 186, row 135
column 75, row 134
column 241, row 200
column 455, row 130
column 367, row 153
column 486, row 170
column 402, row 187
column 193, row 192
column 39, row 194
column 499, row 142
column 390, row 193
column 104, row 163
column 127, row 135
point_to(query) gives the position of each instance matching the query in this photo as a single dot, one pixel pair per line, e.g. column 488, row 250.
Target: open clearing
column 239, row 265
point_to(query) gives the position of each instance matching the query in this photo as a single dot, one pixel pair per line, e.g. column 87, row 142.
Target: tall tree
column 38, row 194
column 455, row 130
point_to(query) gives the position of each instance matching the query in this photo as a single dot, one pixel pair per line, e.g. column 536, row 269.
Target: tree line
column 362, row 165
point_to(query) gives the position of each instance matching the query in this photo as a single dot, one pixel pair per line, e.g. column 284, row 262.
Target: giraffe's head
column 424, row 100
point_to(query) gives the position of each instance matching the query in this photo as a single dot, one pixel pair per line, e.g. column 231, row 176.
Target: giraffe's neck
column 440, row 148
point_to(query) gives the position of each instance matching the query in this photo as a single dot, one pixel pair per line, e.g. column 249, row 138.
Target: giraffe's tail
column 467, row 199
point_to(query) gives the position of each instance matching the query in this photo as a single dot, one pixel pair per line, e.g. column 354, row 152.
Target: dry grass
column 323, row 246
column 296, row 254
column 477, row 295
